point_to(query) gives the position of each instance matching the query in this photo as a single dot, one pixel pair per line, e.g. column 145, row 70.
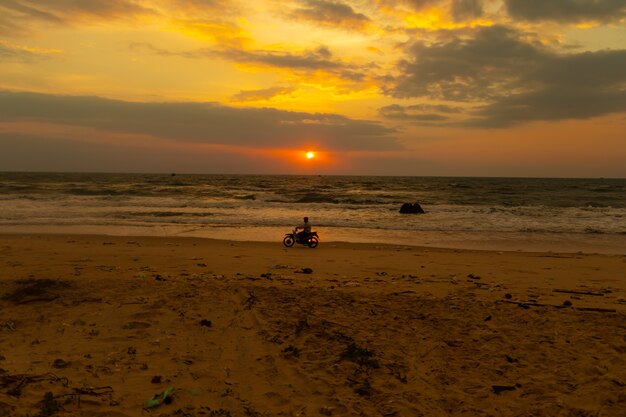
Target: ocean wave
column 453, row 205
column 317, row 198
column 134, row 214
column 594, row 204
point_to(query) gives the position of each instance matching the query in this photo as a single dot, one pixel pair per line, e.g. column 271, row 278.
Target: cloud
column 206, row 123
column 28, row 152
column 10, row 53
column 467, row 9
column 567, row 11
column 224, row 7
column 330, row 13
column 575, row 86
column 262, row 94
column 62, row 11
column 21, row 17
column 207, row 19
column 418, row 113
column 510, row 78
column 318, row 59
column 415, row 4
column 460, row 10
column 466, row 69
column 218, row 31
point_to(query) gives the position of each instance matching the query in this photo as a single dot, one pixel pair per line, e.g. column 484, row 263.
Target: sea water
column 481, row 213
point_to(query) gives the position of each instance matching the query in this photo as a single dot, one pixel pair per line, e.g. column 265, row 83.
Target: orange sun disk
column 310, row 155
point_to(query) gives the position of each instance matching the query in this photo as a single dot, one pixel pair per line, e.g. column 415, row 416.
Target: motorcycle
column 311, row 240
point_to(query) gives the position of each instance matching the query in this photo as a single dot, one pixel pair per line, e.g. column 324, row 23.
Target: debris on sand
column 60, row 364
column 35, row 290
column 497, row 389
column 161, row 398
column 360, row 356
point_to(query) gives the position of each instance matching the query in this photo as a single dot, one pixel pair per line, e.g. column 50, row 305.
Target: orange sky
column 381, row 87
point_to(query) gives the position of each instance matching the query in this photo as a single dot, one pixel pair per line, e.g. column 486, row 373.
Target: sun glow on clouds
column 282, row 79
column 438, row 19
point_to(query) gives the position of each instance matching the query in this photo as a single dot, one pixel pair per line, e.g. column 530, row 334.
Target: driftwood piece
column 16, row 383
column 599, row 310
column 77, row 393
column 582, row 292
column 530, row 304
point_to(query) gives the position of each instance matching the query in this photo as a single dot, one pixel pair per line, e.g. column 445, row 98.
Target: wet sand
column 219, row 328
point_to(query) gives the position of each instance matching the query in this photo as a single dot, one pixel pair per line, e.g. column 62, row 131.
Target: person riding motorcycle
column 306, row 230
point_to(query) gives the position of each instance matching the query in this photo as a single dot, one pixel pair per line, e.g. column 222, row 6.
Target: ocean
column 539, row 214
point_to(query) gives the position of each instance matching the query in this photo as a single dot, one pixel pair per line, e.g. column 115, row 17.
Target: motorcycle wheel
column 288, row 241
column 312, row 242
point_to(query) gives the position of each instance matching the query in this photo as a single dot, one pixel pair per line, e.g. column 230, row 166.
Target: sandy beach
column 131, row 326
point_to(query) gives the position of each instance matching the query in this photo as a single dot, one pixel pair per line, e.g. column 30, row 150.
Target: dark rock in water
column 205, row 323
column 408, row 208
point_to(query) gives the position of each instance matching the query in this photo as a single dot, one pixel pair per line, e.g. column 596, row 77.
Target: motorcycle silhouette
column 311, row 239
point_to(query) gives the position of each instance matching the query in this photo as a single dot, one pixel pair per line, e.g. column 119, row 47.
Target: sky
column 529, row 88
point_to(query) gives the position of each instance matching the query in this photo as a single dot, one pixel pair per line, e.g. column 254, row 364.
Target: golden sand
column 220, row 328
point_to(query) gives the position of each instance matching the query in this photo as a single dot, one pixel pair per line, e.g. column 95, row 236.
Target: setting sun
column 310, row 155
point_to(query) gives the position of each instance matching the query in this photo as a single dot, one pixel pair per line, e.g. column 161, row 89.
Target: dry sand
column 237, row 329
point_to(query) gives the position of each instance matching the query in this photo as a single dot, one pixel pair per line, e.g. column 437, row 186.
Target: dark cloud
column 467, row 9
column 319, row 59
column 312, row 60
column 330, row 13
column 316, row 59
column 549, row 104
column 466, row 69
column 418, row 113
column 200, row 122
column 576, row 86
column 20, row 152
column 564, row 11
column 511, row 78
column 416, row 4
column 262, row 94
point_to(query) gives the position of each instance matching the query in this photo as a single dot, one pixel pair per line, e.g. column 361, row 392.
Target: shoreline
column 497, row 241
column 346, row 329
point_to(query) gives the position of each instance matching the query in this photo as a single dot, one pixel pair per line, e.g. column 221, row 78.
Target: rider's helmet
column 306, row 219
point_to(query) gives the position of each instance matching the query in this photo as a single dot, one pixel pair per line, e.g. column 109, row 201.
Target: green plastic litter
column 158, row 399
column 153, row 402
column 168, row 393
